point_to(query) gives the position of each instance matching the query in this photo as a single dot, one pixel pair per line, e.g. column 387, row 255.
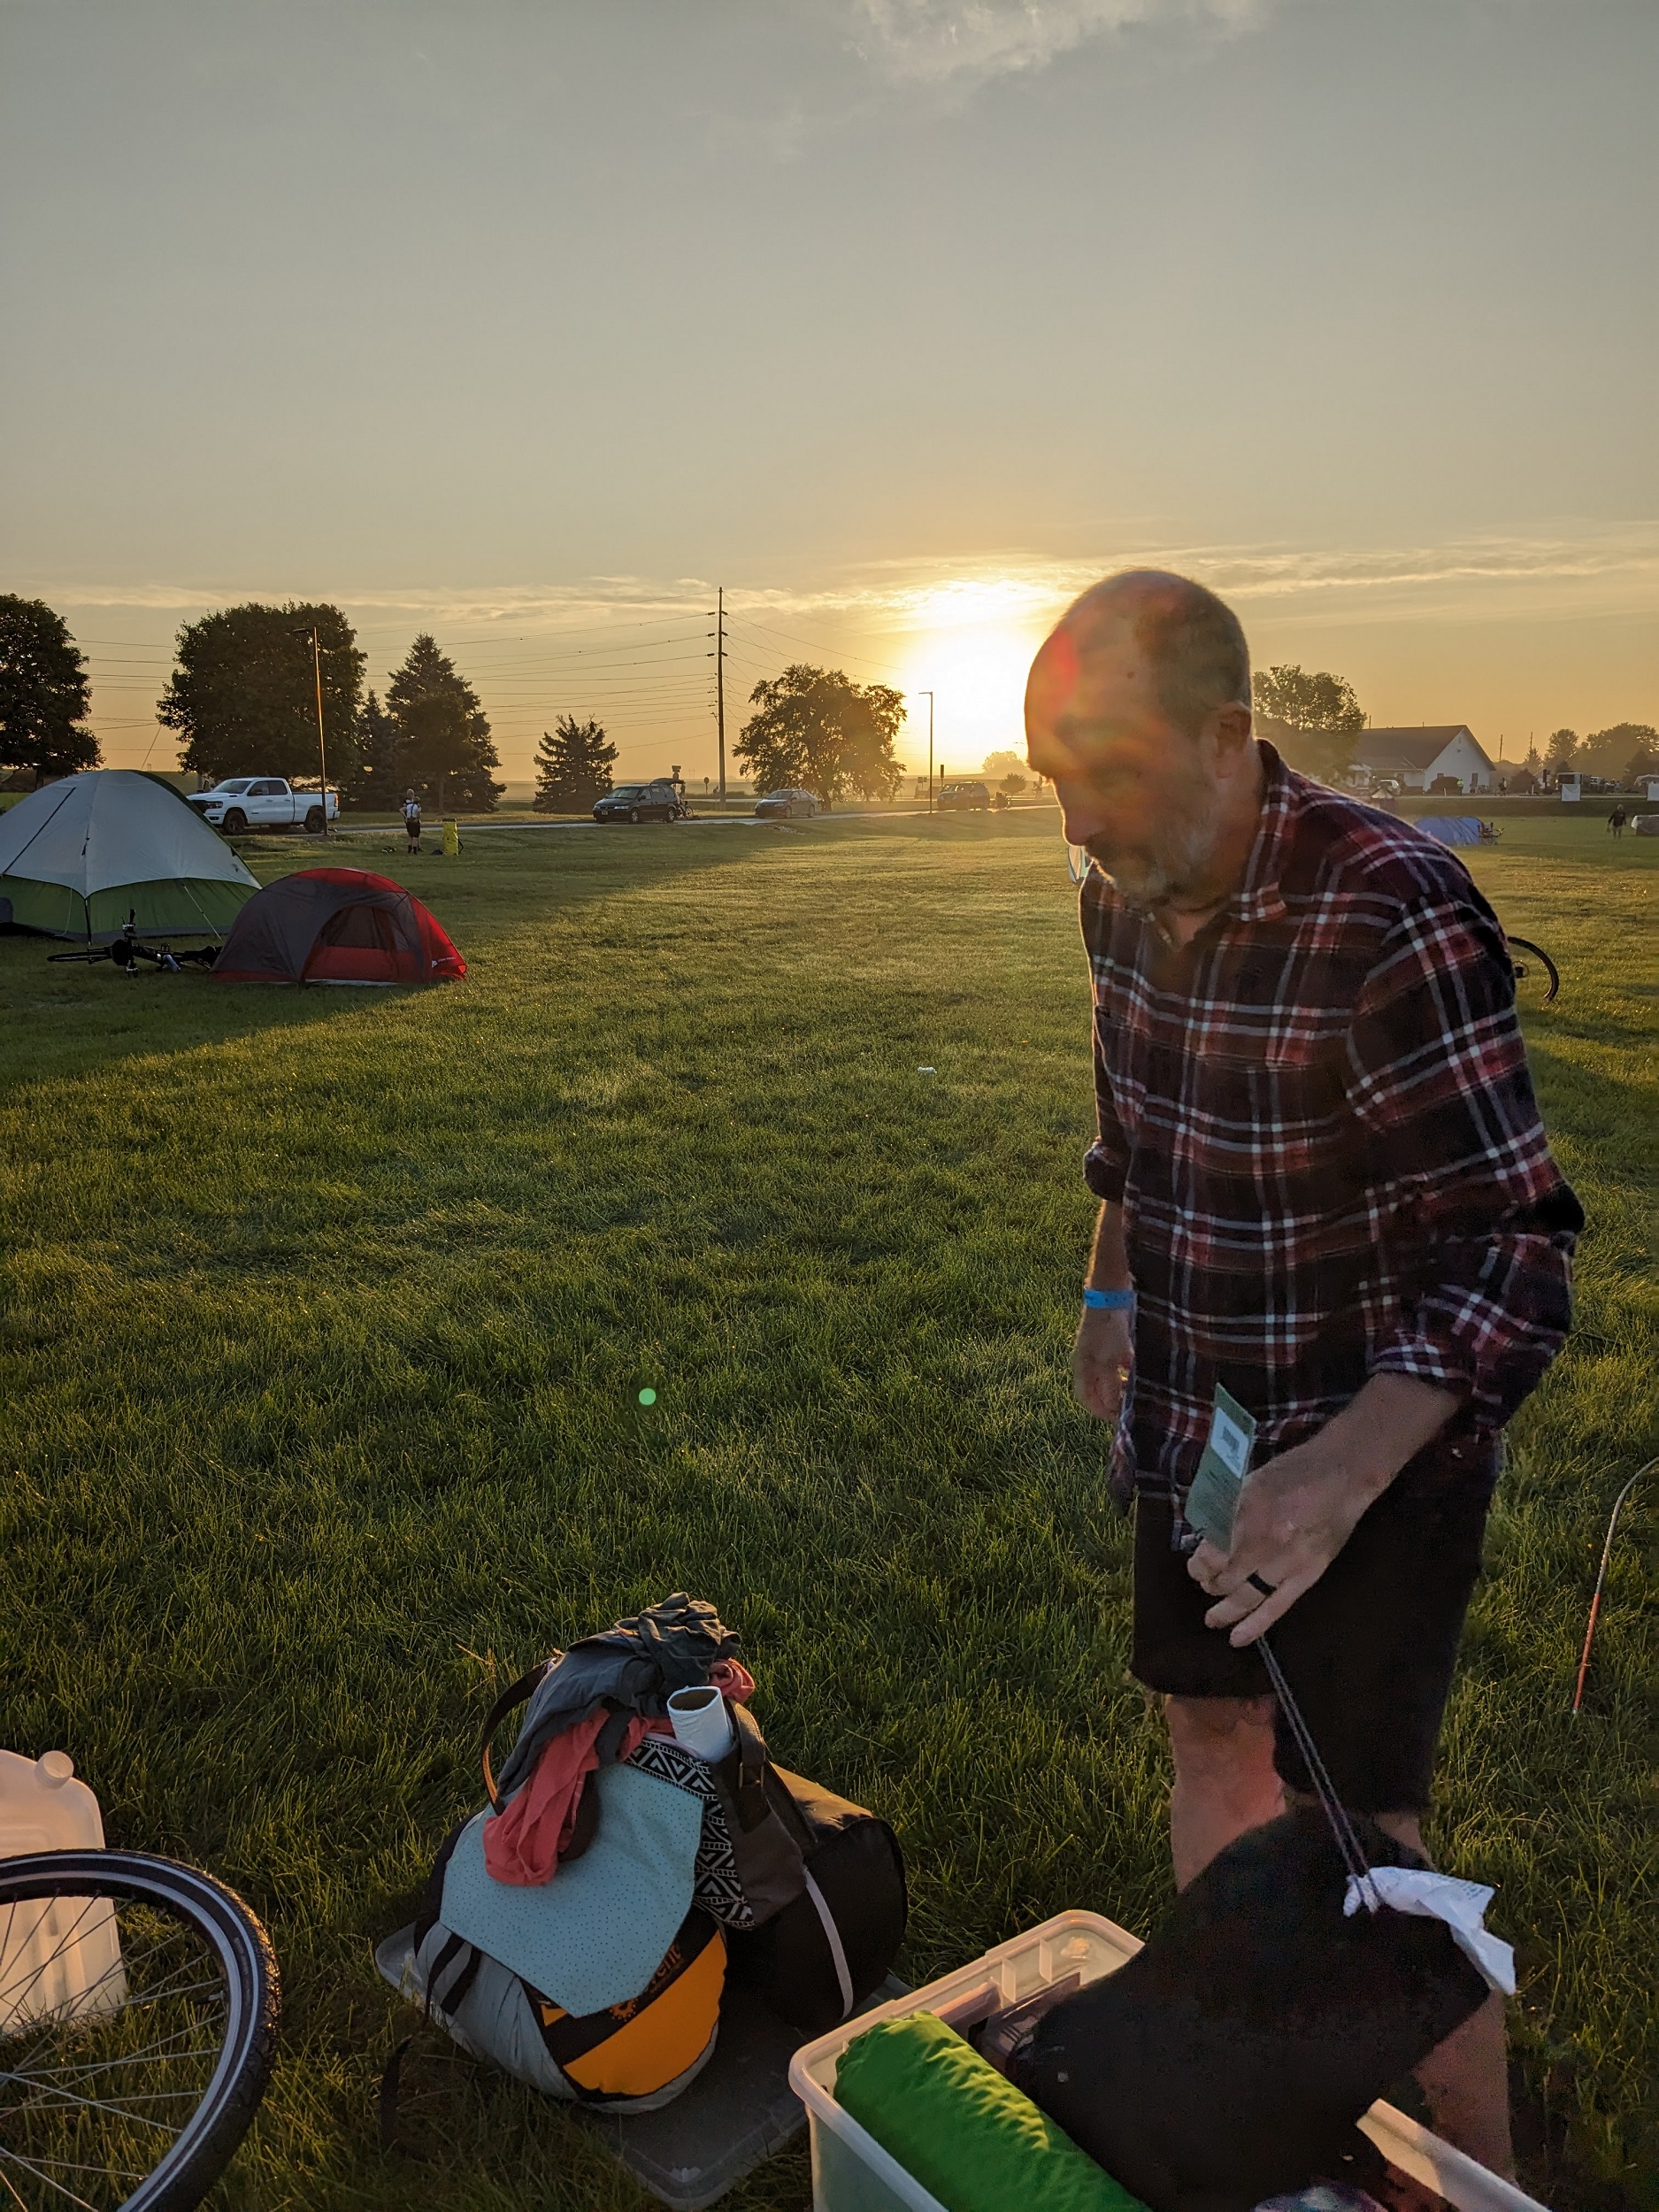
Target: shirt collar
column 1258, row 898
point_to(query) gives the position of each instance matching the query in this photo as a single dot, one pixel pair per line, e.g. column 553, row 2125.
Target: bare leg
column 1466, row 2078
column 1224, row 1780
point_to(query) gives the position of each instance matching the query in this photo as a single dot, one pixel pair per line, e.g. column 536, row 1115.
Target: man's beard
column 1173, row 865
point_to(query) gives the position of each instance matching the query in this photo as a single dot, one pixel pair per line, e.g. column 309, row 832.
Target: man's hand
column 1296, row 1513
column 1101, row 1357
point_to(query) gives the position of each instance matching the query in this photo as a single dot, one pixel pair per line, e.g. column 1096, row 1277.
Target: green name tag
column 1213, row 1499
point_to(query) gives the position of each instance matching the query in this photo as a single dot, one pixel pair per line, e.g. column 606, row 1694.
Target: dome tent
column 79, row 856
column 336, row 925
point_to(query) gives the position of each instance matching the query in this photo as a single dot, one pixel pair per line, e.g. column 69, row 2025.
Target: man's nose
column 1084, row 813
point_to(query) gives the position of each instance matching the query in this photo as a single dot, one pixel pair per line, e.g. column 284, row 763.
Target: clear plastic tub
column 852, row 2173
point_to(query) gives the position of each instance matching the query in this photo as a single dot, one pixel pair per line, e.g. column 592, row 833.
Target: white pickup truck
column 260, row 803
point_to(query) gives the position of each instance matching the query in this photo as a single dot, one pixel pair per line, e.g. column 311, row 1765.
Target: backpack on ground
column 602, row 1986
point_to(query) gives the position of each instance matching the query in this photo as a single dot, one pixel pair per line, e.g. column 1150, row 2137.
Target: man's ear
column 1232, row 731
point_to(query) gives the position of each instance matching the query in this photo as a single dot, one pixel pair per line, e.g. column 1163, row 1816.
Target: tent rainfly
column 336, row 925
column 79, row 856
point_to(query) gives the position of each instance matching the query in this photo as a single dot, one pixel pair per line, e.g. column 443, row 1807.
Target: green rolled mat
column 954, row 2123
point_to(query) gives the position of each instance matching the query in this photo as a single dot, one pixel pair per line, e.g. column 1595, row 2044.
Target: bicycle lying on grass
column 138, row 2019
column 128, row 952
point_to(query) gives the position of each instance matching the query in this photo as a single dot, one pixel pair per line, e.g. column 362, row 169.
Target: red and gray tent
column 335, row 925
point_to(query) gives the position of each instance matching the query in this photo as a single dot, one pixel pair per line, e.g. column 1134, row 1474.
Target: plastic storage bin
column 64, row 1956
column 852, row 2173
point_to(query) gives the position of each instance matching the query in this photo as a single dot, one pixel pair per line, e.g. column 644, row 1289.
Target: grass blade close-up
column 326, row 1318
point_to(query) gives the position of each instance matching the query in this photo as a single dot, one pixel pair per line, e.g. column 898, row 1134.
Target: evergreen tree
column 243, row 695
column 43, row 692
column 377, row 779
column 572, row 766
column 444, row 747
column 819, row 730
column 1563, row 745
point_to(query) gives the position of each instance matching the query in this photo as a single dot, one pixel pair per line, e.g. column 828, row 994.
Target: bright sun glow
column 977, row 670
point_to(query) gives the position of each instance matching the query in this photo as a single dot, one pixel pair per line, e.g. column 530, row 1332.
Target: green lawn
column 325, row 1317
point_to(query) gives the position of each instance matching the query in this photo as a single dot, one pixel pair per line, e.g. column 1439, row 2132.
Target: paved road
column 697, row 821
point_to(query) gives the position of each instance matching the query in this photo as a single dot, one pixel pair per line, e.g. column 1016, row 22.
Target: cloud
column 1017, row 584
column 965, row 42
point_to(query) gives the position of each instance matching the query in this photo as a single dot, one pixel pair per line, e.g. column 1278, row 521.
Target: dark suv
column 956, row 796
column 658, row 802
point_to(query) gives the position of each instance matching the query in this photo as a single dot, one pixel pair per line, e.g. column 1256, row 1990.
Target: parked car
column 655, row 802
column 263, row 803
column 957, row 797
column 782, row 806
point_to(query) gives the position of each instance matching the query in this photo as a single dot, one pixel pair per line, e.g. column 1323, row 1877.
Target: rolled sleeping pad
column 955, row 2125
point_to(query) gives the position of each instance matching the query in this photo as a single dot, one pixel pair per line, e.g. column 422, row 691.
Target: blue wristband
column 1110, row 1301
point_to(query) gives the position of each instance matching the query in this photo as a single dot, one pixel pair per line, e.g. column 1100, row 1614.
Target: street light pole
column 322, row 742
column 929, row 697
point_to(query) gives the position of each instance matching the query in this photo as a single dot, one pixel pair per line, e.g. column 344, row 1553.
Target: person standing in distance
column 1323, row 1187
column 411, row 821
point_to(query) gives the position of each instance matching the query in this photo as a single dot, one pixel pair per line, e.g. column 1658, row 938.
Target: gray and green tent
column 79, row 856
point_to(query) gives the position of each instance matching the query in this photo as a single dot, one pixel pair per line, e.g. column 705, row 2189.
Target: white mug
column 701, row 1722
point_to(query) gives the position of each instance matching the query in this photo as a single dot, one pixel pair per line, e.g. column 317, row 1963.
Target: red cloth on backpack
column 523, row 1841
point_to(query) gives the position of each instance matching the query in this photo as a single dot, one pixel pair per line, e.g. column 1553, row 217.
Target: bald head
column 1138, row 708
column 1167, row 635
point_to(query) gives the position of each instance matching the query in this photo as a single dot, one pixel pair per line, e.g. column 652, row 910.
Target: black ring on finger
column 1267, row 1589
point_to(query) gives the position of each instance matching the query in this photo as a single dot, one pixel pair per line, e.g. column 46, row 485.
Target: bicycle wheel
column 138, row 2016
column 1536, row 978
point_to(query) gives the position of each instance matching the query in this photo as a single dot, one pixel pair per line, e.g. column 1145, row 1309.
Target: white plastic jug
column 58, row 1956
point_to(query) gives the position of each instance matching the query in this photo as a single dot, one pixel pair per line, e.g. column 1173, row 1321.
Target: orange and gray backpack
column 602, row 1986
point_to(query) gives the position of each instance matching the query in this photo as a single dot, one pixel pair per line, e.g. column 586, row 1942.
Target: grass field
column 325, row 1317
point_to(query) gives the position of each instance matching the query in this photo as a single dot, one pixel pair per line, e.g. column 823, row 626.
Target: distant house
column 1414, row 757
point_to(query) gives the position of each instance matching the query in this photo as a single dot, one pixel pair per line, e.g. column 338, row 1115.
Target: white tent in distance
column 79, row 856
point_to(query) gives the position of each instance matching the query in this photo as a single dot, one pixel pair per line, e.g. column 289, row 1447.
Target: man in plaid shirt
column 1325, row 1187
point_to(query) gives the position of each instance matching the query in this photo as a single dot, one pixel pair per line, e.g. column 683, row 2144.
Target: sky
column 900, row 320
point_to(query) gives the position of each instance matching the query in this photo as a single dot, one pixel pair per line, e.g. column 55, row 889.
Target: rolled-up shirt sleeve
column 1438, row 1079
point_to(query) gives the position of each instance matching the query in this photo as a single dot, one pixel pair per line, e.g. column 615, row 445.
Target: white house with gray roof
column 1414, row 756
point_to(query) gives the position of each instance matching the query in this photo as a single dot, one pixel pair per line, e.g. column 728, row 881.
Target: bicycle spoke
column 62, row 2189
column 71, row 1936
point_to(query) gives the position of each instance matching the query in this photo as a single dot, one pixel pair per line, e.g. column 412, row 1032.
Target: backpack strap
column 515, row 1694
column 753, row 1805
column 833, row 1937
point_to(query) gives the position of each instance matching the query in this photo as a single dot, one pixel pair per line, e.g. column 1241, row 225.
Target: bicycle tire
column 1525, row 944
column 209, row 2138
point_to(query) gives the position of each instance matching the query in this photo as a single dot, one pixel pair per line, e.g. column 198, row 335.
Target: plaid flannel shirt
column 1319, row 1118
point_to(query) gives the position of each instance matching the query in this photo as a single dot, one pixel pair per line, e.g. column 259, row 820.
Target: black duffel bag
column 825, row 1883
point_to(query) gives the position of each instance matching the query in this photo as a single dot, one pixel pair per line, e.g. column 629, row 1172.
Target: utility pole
column 929, row 697
column 718, row 658
column 322, row 742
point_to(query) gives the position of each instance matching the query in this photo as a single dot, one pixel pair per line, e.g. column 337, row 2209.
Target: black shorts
column 1367, row 1651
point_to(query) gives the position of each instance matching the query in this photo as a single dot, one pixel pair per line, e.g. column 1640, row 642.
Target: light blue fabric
column 595, row 1933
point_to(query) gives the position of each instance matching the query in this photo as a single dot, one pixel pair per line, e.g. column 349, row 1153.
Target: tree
column 1005, row 763
column 815, row 728
column 445, row 747
column 1622, row 752
column 1558, row 754
column 377, row 775
column 43, row 692
column 243, row 695
column 572, row 766
column 1319, row 717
